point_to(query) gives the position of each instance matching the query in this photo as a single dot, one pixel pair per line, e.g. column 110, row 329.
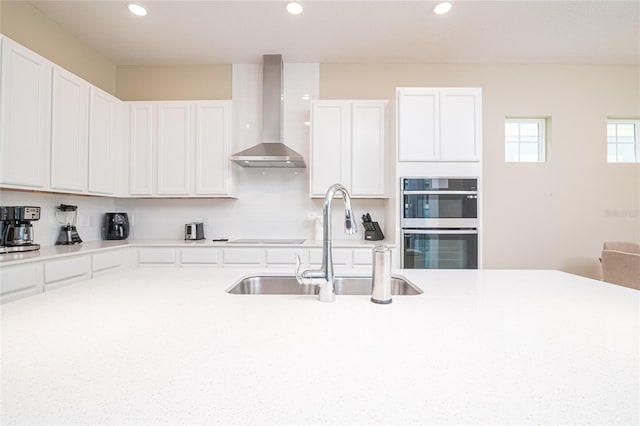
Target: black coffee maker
column 115, row 226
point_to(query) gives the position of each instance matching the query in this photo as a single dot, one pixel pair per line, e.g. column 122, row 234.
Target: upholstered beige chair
column 621, row 263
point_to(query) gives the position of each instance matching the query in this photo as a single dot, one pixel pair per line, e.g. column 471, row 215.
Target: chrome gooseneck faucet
column 323, row 277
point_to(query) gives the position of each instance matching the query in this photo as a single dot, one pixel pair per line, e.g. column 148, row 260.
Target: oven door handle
column 441, row 231
column 409, row 192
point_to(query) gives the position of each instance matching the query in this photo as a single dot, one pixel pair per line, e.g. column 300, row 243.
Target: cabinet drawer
column 108, row 260
column 199, row 255
column 157, row 255
column 20, row 281
column 243, row 256
column 363, row 257
column 67, row 269
column 286, row 256
column 341, row 257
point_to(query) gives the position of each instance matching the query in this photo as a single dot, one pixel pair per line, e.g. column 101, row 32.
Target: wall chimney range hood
column 271, row 152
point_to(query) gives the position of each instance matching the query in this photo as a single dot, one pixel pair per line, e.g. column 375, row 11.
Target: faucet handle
column 299, row 275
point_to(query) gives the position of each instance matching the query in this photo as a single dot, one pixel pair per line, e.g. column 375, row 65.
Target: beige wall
column 173, row 82
column 28, row 26
column 552, row 215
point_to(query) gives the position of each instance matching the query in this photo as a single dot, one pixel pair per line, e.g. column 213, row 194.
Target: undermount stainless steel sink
column 264, row 284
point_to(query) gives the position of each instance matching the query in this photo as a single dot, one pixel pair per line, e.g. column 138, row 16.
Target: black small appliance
column 115, row 226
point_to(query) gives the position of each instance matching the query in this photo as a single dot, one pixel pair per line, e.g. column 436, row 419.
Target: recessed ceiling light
column 294, row 8
column 442, row 8
column 136, row 9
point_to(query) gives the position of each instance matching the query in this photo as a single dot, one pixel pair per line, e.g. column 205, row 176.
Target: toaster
column 194, row 231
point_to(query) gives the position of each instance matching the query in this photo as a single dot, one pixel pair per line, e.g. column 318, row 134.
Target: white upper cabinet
column 460, row 124
column 439, row 124
column 330, row 145
column 25, row 117
column 104, row 111
column 59, row 133
column 180, row 149
column 174, row 143
column 70, row 135
column 348, row 146
column 368, row 148
column 212, row 141
column 141, row 148
column 418, row 125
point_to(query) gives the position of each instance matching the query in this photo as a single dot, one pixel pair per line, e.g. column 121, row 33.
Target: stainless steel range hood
column 271, row 152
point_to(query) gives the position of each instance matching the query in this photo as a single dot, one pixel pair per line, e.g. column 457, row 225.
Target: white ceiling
column 475, row 31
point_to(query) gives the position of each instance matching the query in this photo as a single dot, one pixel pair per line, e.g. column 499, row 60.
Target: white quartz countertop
column 53, row 251
column 169, row 346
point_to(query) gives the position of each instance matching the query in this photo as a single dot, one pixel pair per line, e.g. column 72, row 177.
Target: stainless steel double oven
column 439, row 220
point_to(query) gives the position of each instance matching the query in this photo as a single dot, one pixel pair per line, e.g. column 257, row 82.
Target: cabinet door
column 239, row 257
column 142, row 134
column 200, row 256
column 173, row 148
column 212, row 141
column 368, row 145
column 460, row 124
column 25, row 111
column 157, row 256
column 103, row 115
column 330, row 146
column 70, row 134
column 418, row 130
column 59, row 273
column 18, row 281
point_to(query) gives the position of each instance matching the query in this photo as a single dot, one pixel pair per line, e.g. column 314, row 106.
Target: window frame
column 542, row 138
column 636, row 123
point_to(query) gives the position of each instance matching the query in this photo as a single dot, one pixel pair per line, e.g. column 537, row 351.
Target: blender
column 66, row 215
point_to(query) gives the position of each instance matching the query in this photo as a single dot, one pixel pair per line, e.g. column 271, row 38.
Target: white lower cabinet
column 58, row 273
column 278, row 257
column 155, row 256
column 27, row 279
column 345, row 257
column 200, row 256
column 341, row 257
column 362, row 258
column 239, row 257
column 20, row 281
column 109, row 261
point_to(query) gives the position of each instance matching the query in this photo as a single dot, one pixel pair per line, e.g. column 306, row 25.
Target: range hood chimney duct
column 272, row 152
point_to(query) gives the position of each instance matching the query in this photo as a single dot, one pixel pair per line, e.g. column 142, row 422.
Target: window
column 524, row 140
column 623, row 141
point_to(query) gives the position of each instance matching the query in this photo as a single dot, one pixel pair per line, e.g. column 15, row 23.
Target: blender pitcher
column 66, row 215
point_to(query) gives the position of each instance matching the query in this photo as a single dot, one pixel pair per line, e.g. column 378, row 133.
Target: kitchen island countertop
column 170, row 346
